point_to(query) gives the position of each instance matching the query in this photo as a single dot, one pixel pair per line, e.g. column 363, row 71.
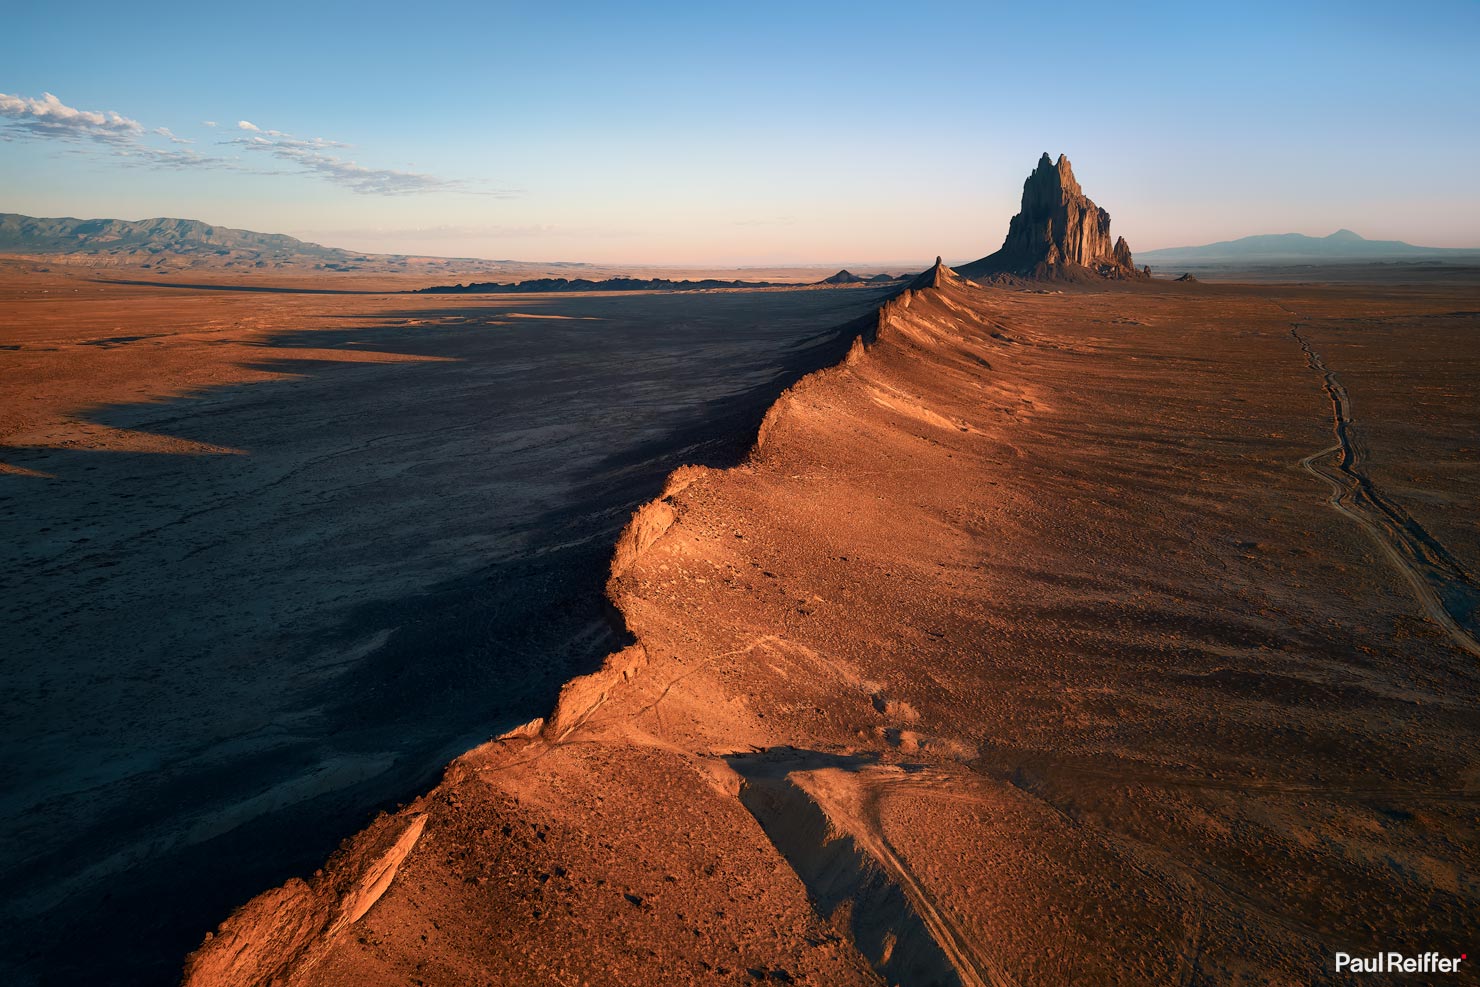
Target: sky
column 753, row 133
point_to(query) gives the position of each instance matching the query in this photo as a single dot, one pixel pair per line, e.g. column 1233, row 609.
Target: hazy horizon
column 768, row 136
column 899, row 263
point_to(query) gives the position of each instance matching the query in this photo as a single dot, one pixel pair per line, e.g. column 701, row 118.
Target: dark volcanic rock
column 1188, row 278
column 1058, row 234
column 543, row 285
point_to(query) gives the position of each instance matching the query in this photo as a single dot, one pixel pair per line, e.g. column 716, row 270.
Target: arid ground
column 1027, row 647
column 271, row 559
column 1116, row 634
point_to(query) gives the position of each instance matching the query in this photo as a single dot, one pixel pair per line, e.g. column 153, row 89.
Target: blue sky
column 756, row 133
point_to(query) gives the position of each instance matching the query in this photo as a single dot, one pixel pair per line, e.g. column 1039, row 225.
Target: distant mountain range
column 166, row 245
column 1282, row 248
column 172, row 244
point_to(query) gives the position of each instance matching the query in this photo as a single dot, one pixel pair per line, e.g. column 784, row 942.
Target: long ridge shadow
column 464, row 659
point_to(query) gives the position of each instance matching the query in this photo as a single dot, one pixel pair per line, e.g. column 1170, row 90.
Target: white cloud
column 253, row 128
column 50, row 117
column 208, row 123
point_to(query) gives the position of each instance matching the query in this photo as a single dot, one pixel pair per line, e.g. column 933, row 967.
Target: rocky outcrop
column 937, row 277
column 1059, row 234
column 286, row 931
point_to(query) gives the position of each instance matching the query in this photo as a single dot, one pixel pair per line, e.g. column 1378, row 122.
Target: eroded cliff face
column 1058, row 233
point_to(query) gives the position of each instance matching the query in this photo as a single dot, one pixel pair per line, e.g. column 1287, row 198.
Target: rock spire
column 1059, row 233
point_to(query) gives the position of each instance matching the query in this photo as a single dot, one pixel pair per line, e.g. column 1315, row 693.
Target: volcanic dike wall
column 279, row 936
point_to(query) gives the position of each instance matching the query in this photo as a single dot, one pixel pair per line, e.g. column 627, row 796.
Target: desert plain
column 271, row 558
column 1117, row 632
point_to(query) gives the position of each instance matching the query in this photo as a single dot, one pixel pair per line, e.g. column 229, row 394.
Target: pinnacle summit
column 1058, row 234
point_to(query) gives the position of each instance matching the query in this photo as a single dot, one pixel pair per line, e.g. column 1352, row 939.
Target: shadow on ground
column 231, row 662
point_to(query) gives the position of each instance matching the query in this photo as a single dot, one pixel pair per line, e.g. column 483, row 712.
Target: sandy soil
column 1022, row 650
column 269, row 560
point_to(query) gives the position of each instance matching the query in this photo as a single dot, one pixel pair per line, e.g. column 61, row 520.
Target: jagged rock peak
column 1058, row 233
column 936, row 277
column 1057, row 177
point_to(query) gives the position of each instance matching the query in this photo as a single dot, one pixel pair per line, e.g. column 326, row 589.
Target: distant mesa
column 846, row 276
column 1297, row 248
column 1059, row 234
column 165, row 243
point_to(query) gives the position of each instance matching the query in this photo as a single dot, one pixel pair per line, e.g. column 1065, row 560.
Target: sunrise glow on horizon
column 771, row 134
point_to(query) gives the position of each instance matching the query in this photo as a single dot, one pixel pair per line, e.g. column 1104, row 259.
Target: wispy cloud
column 209, row 123
column 358, row 178
column 313, row 155
column 276, row 139
column 125, row 139
column 49, row 117
column 163, row 157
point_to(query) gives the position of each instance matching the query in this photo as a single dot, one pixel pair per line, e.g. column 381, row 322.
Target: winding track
column 1417, row 555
